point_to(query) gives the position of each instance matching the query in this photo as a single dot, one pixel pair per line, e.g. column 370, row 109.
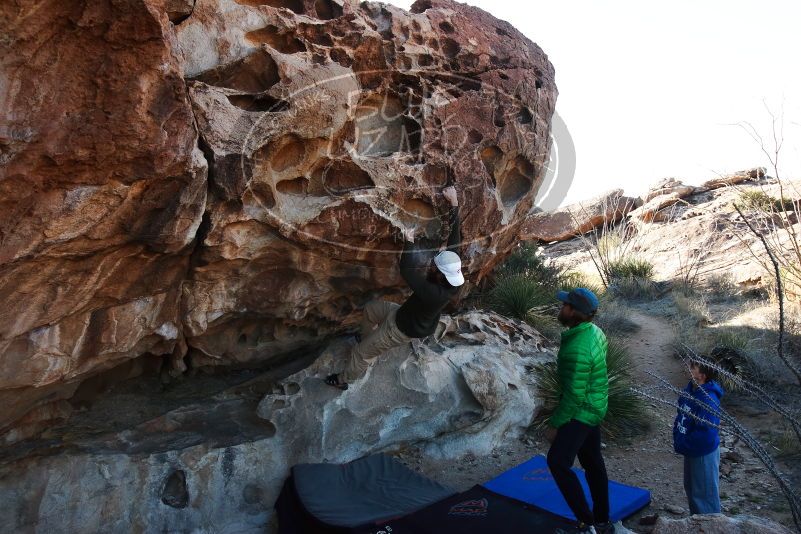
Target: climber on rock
column 386, row 325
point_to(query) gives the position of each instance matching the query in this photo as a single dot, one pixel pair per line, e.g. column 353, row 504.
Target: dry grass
column 613, row 318
column 693, row 311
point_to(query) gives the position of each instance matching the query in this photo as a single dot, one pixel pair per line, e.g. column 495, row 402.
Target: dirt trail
column 648, row 460
column 651, row 348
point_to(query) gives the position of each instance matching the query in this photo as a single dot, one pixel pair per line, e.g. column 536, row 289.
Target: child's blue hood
column 713, row 388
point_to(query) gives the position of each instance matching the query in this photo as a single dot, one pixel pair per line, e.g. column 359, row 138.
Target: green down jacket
column 582, row 376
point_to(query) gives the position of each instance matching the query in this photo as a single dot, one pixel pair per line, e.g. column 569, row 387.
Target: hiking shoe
column 605, row 528
column 581, row 528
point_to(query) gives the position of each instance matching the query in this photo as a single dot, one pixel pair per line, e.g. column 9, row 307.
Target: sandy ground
column 648, row 460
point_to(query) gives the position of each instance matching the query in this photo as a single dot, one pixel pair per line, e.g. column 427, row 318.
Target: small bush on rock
column 757, row 200
column 631, row 267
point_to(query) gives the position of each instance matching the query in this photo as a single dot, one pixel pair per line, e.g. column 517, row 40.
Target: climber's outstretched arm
column 455, row 237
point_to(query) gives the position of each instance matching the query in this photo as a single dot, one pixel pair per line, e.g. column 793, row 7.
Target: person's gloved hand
column 450, row 194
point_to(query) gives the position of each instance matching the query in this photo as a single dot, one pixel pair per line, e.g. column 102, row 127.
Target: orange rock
column 576, row 219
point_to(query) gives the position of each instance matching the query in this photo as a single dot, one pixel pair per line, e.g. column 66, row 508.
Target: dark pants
column 577, row 439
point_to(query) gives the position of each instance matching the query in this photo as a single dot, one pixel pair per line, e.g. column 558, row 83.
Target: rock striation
column 220, row 182
column 103, row 191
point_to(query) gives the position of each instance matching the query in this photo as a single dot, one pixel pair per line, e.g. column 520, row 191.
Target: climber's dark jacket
column 419, row 315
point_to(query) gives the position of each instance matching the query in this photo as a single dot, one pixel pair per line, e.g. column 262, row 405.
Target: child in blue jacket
column 696, row 437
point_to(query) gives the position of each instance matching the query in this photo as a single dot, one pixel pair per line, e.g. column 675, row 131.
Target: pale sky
column 650, row 90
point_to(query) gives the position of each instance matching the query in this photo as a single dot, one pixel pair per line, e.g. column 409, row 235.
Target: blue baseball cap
column 581, row 298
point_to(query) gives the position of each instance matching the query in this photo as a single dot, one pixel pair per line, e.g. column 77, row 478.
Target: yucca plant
column 525, row 288
column 517, row 294
column 626, row 415
column 526, row 260
column 543, row 319
column 631, row 267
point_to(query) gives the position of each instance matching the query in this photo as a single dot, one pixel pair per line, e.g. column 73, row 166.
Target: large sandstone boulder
column 655, row 210
column 330, row 134
column 218, row 467
column 327, row 130
column 577, row 219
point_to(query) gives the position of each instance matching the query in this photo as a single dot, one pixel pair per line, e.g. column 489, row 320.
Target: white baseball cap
column 450, row 265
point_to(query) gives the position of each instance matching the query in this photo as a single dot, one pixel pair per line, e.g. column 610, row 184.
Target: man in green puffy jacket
column 574, row 427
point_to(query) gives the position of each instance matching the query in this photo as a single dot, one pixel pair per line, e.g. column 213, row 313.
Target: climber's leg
column 375, row 312
column 387, row 336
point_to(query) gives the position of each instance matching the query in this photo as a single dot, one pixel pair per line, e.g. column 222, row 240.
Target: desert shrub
column 794, row 331
column 607, row 243
column 570, row 280
column 527, row 299
column 735, row 361
column 525, row 288
column 631, row 278
column 631, row 267
column 692, row 311
column 627, row 414
column 722, row 283
column 787, row 444
column 526, row 259
column 726, row 338
column 727, row 347
column 791, row 285
column 634, row 288
column 757, row 200
column 515, row 295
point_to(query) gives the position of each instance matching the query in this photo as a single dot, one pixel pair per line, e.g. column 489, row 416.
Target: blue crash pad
column 532, row 483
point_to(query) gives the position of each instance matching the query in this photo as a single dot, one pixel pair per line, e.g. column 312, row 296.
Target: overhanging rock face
column 330, row 130
column 238, row 185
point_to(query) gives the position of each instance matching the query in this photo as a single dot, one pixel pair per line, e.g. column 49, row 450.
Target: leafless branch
column 779, row 293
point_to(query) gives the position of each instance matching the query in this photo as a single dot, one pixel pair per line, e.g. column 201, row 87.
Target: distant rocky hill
column 675, row 226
